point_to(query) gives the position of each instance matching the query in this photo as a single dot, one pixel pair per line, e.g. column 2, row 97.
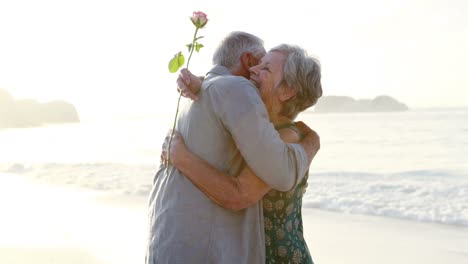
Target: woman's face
column 267, row 75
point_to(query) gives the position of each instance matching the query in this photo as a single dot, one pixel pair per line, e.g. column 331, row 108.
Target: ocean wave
column 408, row 173
column 439, row 196
column 130, row 179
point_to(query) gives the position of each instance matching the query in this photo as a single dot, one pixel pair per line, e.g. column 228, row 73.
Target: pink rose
column 199, row 19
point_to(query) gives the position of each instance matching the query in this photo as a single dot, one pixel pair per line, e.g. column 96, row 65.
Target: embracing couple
column 238, row 161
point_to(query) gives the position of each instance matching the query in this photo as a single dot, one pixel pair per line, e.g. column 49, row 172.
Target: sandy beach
column 60, row 224
column 340, row 238
column 44, row 223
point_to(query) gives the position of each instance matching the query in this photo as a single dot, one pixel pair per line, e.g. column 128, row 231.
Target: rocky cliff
column 28, row 113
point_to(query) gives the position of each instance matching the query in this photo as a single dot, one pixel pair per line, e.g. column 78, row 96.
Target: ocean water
column 411, row 165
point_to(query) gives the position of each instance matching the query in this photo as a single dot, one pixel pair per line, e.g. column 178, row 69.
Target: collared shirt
column 228, row 125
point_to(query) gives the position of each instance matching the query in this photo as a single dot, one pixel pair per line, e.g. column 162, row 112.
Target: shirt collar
column 218, row 70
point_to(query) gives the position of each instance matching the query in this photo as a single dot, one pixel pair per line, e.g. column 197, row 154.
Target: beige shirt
column 227, row 125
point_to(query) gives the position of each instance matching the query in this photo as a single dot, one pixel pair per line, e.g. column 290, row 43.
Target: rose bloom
column 199, row 19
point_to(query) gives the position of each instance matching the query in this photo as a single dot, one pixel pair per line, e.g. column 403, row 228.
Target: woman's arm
column 233, row 193
column 188, row 84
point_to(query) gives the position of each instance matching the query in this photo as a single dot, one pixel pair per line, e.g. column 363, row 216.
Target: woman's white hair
column 231, row 48
column 302, row 73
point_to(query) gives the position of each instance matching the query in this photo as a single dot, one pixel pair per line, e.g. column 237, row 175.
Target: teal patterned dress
column 282, row 212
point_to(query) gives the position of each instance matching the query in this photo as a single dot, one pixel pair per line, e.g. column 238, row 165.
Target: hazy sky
column 110, row 57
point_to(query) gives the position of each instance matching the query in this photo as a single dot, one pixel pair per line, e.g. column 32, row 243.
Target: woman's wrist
column 179, row 157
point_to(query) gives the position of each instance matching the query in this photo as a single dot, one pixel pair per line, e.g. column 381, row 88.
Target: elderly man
column 226, row 126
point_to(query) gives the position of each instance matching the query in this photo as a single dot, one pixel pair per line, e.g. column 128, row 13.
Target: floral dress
column 282, row 213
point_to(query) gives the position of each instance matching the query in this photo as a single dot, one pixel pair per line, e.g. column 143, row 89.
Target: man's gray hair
column 303, row 73
column 232, row 47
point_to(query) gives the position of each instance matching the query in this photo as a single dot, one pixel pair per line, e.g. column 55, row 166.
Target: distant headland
column 29, row 113
column 340, row 104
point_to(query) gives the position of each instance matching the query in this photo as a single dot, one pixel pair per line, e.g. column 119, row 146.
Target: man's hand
column 188, row 84
column 311, row 141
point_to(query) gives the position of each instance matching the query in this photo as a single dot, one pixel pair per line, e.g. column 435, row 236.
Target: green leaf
column 198, row 47
column 189, row 46
column 176, row 62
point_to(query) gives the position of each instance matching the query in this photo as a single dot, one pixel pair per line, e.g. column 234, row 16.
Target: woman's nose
column 253, row 70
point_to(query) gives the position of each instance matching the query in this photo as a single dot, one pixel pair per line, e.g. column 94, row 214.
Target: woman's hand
column 188, row 84
column 178, row 148
column 311, row 141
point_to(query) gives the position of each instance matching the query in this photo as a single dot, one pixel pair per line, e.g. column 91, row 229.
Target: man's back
column 187, row 227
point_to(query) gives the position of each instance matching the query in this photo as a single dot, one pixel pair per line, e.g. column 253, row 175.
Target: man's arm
column 239, row 107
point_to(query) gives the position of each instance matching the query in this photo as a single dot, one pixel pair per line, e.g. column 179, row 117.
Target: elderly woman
column 289, row 83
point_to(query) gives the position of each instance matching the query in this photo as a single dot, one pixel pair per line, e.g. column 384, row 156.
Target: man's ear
column 286, row 92
column 246, row 60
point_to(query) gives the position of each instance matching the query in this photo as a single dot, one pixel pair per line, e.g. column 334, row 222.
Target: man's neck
column 240, row 71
